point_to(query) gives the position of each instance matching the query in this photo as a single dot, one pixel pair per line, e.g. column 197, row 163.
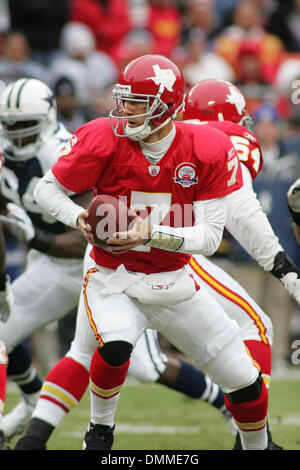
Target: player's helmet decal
column 237, row 99
column 165, row 78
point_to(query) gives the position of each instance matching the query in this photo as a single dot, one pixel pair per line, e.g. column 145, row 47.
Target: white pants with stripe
column 198, row 327
column 147, row 360
column 254, row 323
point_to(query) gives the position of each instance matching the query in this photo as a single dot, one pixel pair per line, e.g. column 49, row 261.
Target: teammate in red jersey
column 221, row 105
column 219, row 102
column 185, row 185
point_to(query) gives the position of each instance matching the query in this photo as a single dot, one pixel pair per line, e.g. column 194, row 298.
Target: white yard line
column 145, row 429
column 292, row 420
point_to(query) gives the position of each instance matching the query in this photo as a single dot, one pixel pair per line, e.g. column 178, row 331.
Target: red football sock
column 251, row 419
column 65, row 384
column 262, row 354
column 105, row 385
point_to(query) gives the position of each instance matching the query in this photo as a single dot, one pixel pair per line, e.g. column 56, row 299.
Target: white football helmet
column 28, row 117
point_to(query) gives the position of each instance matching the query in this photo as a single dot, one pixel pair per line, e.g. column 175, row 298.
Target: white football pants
column 198, row 327
column 46, row 291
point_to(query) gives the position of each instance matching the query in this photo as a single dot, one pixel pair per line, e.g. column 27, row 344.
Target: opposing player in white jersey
column 50, row 285
column 154, row 86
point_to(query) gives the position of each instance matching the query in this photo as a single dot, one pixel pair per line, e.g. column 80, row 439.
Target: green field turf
column 154, row 417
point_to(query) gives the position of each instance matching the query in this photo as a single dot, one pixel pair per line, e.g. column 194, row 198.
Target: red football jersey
column 245, row 143
column 201, row 164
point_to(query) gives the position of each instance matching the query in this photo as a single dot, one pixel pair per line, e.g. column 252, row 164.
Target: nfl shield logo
column 153, row 170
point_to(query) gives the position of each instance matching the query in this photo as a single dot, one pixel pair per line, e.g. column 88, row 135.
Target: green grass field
column 154, row 417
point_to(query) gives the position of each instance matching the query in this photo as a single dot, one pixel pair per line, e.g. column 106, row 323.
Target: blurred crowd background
column 78, row 47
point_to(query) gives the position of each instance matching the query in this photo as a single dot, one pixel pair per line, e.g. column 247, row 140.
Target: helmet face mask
column 154, row 81
column 22, row 133
column 27, row 116
column 154, row 109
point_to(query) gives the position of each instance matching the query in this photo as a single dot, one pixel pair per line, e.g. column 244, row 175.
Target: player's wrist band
column 42, row 241
column 164, row 241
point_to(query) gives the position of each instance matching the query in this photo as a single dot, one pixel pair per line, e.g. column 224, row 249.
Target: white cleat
column 16, row 421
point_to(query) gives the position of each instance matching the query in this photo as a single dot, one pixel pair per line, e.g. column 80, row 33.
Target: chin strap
column 145, row 131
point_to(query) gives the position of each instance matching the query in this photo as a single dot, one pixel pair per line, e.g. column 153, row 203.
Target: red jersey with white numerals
column 245, row 143
column 201, row 164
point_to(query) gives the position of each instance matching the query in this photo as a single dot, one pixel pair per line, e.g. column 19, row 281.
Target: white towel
column 166, row 288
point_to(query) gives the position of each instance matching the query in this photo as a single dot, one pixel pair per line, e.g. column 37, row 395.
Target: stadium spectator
column 91, row 71
column 139, row 10
column 138, row 42
column 16, row 60
column 201, row 63
column 285, row 24
column 250, row 68
column 41, row 22
column 164, row 23
column 69, row 112
column 224, row 10
column 247, row 24
column 109, row 21
column 200, row 14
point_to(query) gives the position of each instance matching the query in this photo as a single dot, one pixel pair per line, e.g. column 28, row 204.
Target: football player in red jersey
column 191, row 171
column 227, row 111
column 221, row 105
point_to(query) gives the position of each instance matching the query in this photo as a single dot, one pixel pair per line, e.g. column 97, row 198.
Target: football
column 107, row 215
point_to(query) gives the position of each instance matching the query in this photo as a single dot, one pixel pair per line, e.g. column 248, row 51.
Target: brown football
column 107, row 215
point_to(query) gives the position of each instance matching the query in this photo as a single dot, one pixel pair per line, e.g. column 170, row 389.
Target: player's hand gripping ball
column 107, row 215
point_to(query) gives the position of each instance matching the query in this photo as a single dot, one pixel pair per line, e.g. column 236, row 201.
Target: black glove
column 288, row 273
